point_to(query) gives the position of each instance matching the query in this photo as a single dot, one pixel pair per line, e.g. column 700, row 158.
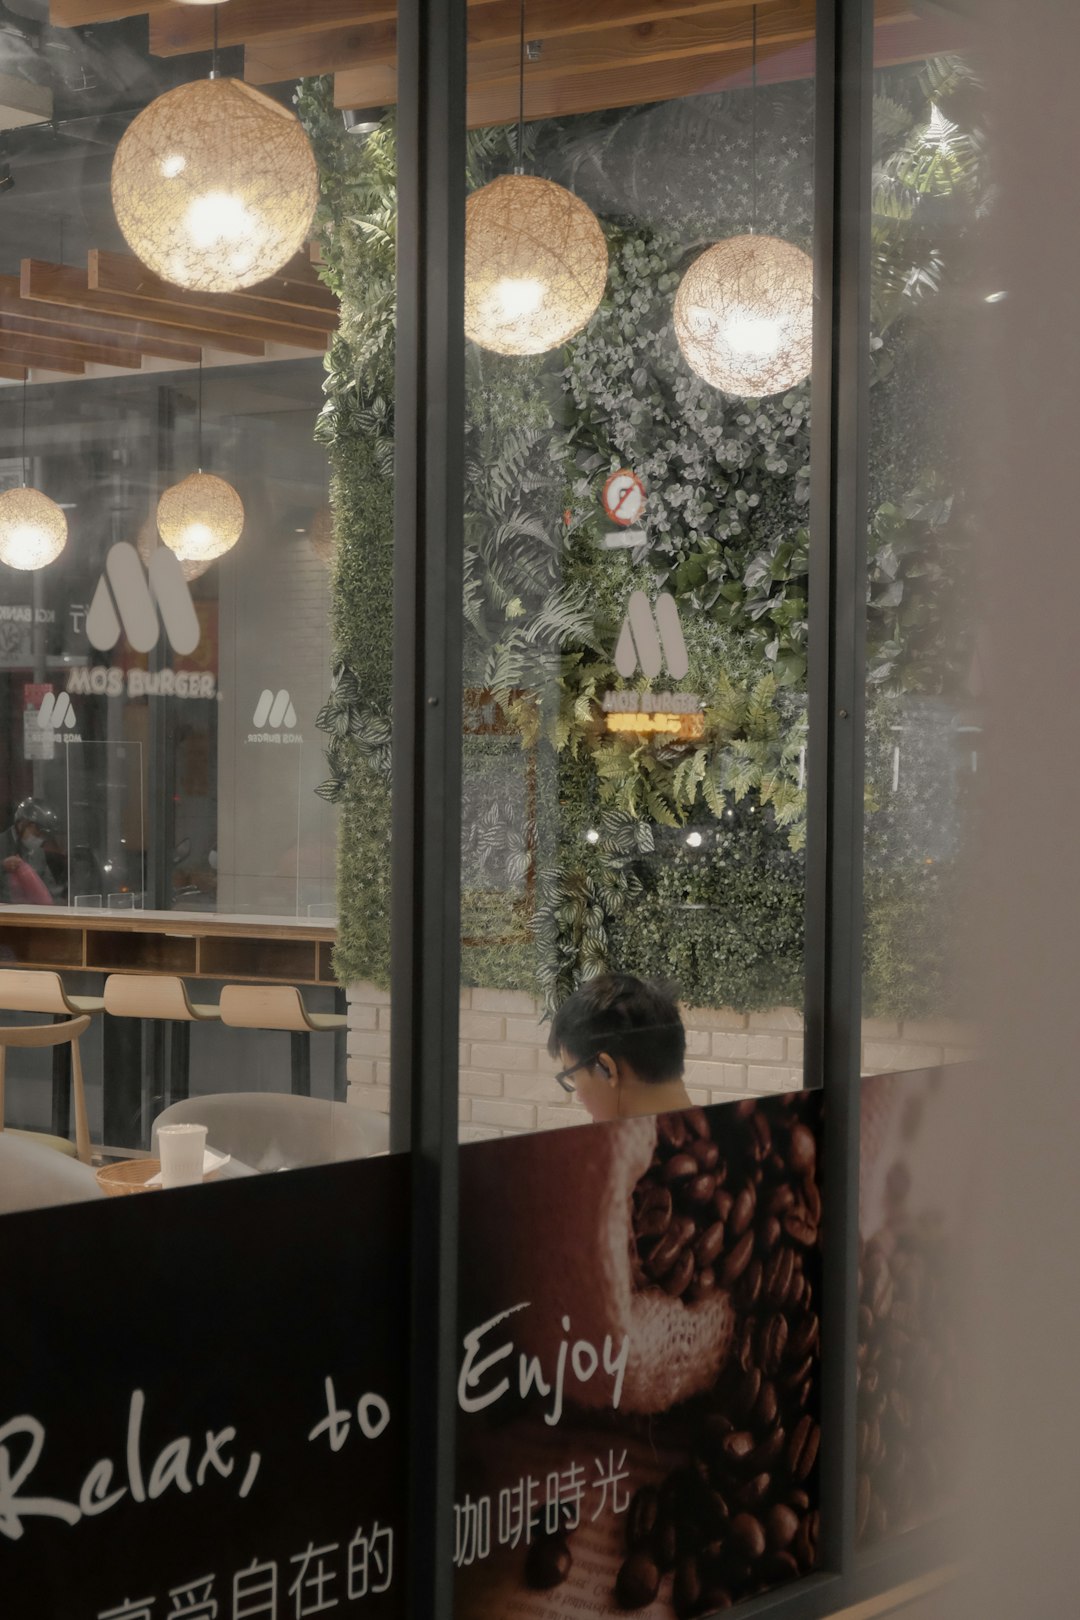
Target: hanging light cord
column 25, row 485
column 214, row 71
column 199, row 456
column 753, row 121
column 520, row 166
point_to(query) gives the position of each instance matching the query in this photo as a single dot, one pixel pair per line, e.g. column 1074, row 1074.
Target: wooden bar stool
column 26, row 1037
column 31, row 990
column 280, row 1006
column 165, row 996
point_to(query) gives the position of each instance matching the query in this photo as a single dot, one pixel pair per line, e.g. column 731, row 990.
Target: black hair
column 634, row 1019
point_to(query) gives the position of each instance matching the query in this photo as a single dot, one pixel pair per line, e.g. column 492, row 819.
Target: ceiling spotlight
column 995, row 297
column 355, row 125
column 592, row 836
column 695, row 840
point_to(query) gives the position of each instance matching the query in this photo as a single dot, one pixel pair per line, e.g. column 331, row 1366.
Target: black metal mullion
column 838, row 528
column 425, row 943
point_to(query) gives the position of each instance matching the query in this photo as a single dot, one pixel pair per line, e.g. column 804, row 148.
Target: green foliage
column 575, row 853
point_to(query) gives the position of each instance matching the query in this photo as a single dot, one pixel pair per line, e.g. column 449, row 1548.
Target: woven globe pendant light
column 744, row 315
column 201, row 518
column 536, row 265
column 214, row 185
column 33, row 529
column 147, row 542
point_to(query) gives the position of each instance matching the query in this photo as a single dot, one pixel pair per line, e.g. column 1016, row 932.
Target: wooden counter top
column 201, row 945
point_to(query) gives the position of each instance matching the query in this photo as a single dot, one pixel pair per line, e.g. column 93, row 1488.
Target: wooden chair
column 37, row 991
column 27, row 1037
column 164, row 996
column 280, row 1006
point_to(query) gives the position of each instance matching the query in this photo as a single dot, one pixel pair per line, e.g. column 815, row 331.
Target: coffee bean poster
column 918, row 1208
column 639, row 1387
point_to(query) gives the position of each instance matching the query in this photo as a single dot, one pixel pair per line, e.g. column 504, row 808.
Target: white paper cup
column 181, row 1149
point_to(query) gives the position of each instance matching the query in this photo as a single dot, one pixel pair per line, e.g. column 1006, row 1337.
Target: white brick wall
column 505, row 1078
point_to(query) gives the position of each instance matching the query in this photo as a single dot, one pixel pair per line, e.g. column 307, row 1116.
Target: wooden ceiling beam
column 63, row 285
column 68, row 363
column 123, row 273
column 176, row 30
column 64, row 321
column 24, row 332
column 78, row 13
column 497, row 25
column 609, row 69
column 131, row 290
column 12, row 373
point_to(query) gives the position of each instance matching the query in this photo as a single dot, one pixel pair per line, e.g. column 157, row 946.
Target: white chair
column 164, row 996
column 277, row 1131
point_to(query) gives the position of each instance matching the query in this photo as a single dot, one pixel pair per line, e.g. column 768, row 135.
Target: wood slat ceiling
column 593, row 53
column 114, row 312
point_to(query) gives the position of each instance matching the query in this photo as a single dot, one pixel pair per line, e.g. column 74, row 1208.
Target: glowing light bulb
column 173, row 165
column 592, row 836
column 695, row 840
column 753, row 335
column 518, row 295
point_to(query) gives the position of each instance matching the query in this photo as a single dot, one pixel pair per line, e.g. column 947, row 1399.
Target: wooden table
column 195, row 945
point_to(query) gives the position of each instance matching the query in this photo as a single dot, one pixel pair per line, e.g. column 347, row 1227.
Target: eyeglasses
column 563, row 1076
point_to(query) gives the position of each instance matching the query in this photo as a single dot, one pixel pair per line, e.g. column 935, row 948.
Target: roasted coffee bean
column 736, row 1262
column 770, row 1235
column 750, row 1286
column 710, row 1244
column 681, row 1275
column 803, row 1450
column 723, row 1203
column 547, row 1563
column 805, row 1543
column 748, row 1534
column 703, row 1285
column 799, row 1227
column 773, row 1342
column 671, row 1129
column 781, row 1200
column 767, row 1408
column 686, row 1588
column 642, row 1516
column 638, row 1581
column 744, row 1345
column 738, row 1446
column 697, row 1121
column 701, row 1189
column 781, row 1526
column 804, row 1337
column 754, row 1492
column 707, row 1155
column 779, row 1276
column 665, row 1254
column 654, row 1212
column 802, row 1150
column 743, row 1211
column 759, row 1137
column 812, row 1199
column 680, row 1167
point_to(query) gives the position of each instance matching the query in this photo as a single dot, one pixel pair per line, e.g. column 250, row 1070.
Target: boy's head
column 626, row 1027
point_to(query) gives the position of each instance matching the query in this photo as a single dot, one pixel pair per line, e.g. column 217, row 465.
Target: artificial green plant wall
column 575, row 854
